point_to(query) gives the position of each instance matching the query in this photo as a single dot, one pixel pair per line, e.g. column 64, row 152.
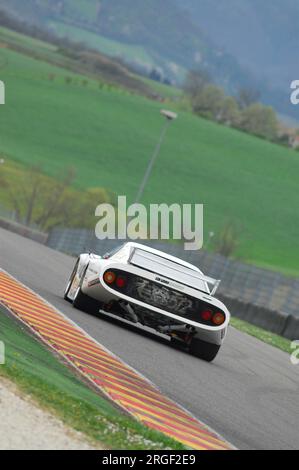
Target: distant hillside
column 240, row 42
column 263, row 35
column 168, row 35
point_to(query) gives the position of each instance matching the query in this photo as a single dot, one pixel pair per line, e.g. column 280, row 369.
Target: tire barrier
column 24, row 231
column 291, row 330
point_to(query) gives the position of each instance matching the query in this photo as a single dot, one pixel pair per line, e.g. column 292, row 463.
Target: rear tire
column 86, row 304
column 83, row 302
column 80, row 301
column 204, row 350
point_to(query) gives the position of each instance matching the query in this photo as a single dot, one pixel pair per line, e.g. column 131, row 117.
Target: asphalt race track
column 249, row 394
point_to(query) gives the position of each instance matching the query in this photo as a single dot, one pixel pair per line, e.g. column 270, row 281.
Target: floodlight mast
column 170, row 116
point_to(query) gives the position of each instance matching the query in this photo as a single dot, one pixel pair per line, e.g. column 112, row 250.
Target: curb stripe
column 108, row 380
column 185, row 439
column 153, row 410
column 102, row 372
column 128, row 393
column 119, row 382
column 121, row 370
column 180, row 429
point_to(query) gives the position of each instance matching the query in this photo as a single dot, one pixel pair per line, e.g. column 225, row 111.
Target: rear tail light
column 109, row 277
column 206, row 315
column 218, row 318
column 120, row 282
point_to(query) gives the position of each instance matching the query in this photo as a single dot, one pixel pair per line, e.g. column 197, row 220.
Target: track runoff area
column 129, row 390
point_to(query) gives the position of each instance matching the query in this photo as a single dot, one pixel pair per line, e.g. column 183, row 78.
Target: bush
column 208, row 102
column 227, row 240
column 260, row 120
column 49, row 202
column 242, row 112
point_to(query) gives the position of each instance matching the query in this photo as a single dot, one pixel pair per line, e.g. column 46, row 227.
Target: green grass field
column 20, row 39
column 39, row 374
column 109, row 135
column 263, row 335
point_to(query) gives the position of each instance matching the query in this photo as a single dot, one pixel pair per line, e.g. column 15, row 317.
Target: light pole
column 169, row 116
column 211, row 236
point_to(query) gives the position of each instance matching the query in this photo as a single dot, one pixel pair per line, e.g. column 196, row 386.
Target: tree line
column 244, row 111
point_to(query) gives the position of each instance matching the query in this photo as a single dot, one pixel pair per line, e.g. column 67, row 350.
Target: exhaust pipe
column 182, row 328
column 129, row 312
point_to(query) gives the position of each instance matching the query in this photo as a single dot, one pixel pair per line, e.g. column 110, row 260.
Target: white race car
column 149, row 288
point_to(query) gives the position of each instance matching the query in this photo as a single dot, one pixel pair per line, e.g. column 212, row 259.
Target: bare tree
column 39, row 198
column 3, row 182
column 247, row 96
column 49, row 202
column 195, row 82
column 52, row 198
column 226, row 241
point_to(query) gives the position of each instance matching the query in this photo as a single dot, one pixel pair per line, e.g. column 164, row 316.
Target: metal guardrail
column 280, row 323
column 242, row 281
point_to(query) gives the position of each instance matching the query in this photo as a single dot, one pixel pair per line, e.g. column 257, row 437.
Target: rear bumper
column 163, row 323
column 99, row 290
column 206, row 333
column 172, row 316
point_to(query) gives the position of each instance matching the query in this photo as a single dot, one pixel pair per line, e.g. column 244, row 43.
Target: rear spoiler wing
column 173, row 270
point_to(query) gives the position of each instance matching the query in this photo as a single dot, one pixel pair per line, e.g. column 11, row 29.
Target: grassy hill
column 109, row 134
